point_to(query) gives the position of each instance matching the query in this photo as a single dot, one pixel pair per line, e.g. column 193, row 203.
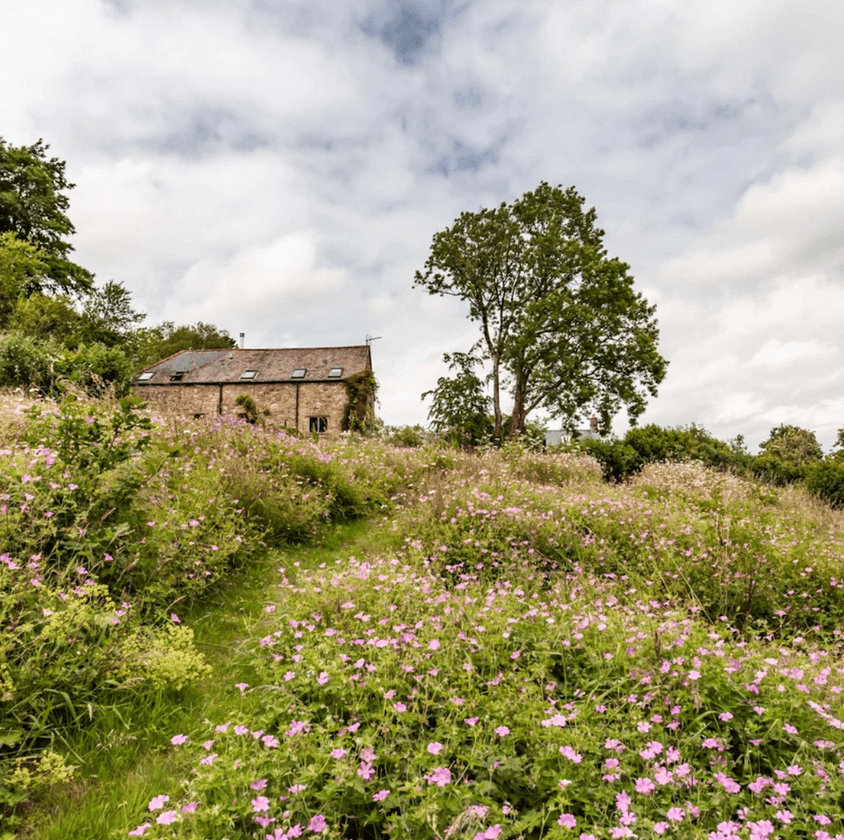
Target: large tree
column 33, row 206
column 561, row 324
column 159, row 342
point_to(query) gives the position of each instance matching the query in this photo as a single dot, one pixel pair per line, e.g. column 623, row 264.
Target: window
column 178, row 376
column 335, row 373
column 249, row 374
column 146, row 376
column 299, row 373
column 318, row 424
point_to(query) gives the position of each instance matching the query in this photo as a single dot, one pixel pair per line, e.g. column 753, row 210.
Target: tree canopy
column 156, row 343
column 561, row 324
column 33, row 207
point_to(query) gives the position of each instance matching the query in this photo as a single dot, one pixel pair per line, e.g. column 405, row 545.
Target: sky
column 280, row 167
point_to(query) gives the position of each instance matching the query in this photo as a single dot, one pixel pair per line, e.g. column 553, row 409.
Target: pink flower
column 337, row 754
column 567, row 821
column 158, row 802
column 435, row 748
column 178, row 740
column 260, row 804
column 175, row 619
column 440, row 776
column 675, row 814
column 645, row 786
column 167, row 817
column 570, row 754
column 190, row 807
column 501, row 731
column 317, row 824
column 380, row 796
column 140, row 830
column 400, row 707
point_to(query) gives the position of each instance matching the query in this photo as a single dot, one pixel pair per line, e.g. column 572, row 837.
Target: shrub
column 825, row 479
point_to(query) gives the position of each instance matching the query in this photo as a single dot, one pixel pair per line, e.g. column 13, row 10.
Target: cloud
column 280, row 167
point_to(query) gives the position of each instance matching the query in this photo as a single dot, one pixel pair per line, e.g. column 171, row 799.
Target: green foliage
column 825, row 479
column 617, row 458
column 557, row 315
column 460, row 408
column 28, row 363
column 653, row 444
column 20, row 265
column 162, row 341
column 787, row 454
column 518, row 644
column 33, row 206
column 359, row 414
column 250, row 410
column 107, row 315
column 43, row 317
column 411, row 437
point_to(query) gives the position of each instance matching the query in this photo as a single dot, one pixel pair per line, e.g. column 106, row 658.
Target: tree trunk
column 496, row 397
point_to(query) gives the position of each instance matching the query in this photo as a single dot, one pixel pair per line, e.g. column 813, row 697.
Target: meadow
column 425, row 643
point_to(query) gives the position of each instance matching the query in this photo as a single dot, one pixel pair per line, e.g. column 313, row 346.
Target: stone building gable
column 301, row 388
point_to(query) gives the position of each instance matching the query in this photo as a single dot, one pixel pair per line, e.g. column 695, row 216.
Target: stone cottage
column 318, row 389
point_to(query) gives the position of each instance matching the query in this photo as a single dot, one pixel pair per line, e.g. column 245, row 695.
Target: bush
column 28, row 363
column 826, row 481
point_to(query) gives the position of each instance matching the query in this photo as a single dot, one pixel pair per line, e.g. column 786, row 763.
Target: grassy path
column 126, row 759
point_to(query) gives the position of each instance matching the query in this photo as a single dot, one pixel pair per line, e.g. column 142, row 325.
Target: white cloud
column 280, row 168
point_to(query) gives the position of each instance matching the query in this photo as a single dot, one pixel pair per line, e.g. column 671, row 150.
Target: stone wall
column 279, row 405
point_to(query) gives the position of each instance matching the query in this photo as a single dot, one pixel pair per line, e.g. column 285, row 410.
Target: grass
column 128, row 758
column 505, row 646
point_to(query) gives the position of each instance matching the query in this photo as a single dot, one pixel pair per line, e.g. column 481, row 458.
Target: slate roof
column 272, row 365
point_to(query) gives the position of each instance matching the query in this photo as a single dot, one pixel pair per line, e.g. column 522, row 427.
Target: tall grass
column 503, row 646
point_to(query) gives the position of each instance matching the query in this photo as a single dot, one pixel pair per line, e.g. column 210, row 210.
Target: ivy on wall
column 360, row 392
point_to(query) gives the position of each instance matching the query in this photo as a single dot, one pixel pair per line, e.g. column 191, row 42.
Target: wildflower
column 400, row 707
column 178, row 740
column 140, row 830
column 167, row 817
column 260, row 804
column 471, row 721
column 380, row 796
column 317, row 824
column 501, row 731
column 435, row 748
column 158, row 802
column 567, row 821
column 294, row 789
column 660, row 827
column 675, row 814
column 337, row 754
column 570, row 754
column 190, row 807
column 645, row 786
column 439, row 776
column 209, row 759
column 175, row 619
